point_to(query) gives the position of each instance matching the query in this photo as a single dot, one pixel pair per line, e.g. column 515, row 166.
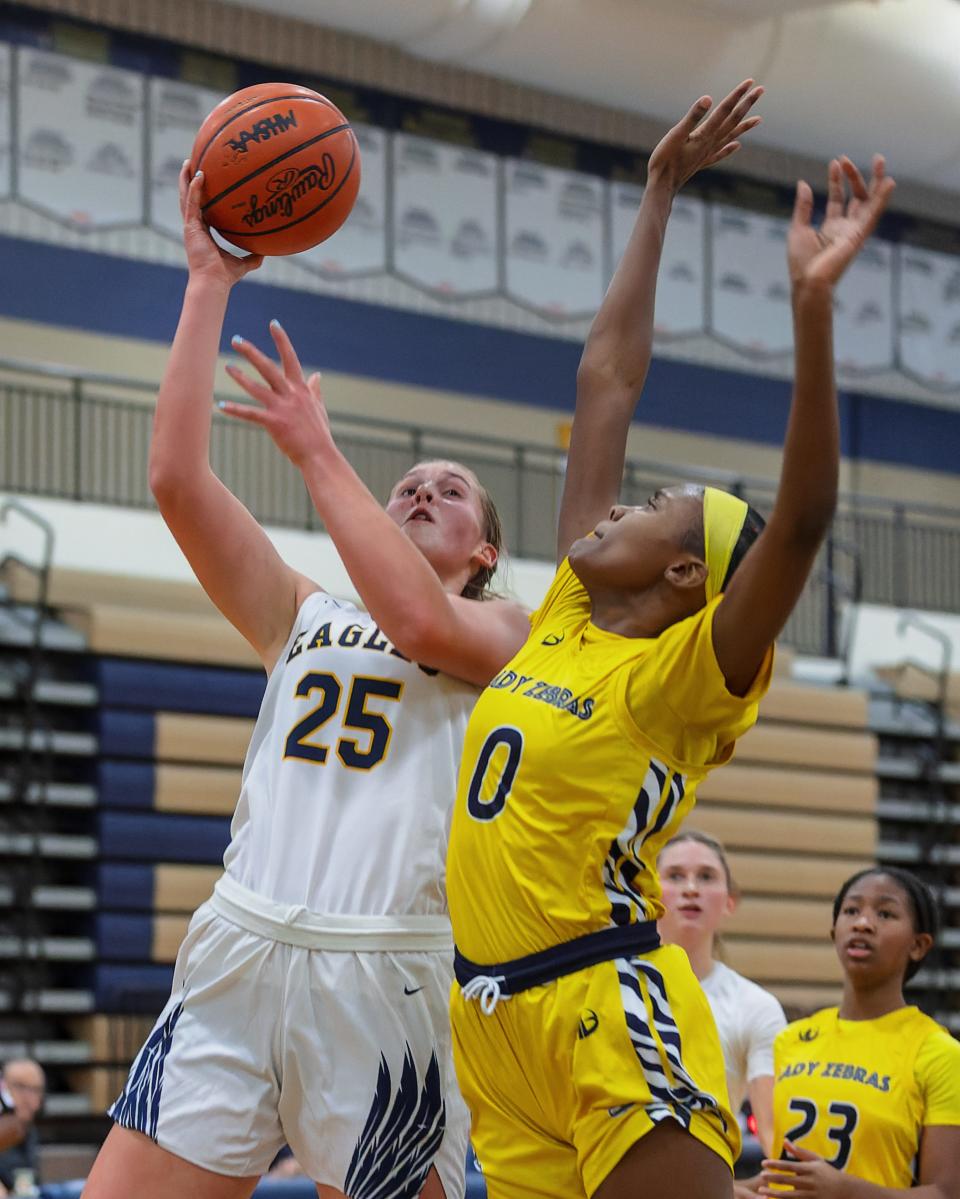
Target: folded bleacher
column 178, row 690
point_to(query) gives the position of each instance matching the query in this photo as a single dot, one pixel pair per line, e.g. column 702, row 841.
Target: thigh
column 129, row 1163
column 518, row 1091
column 665, row 1163
column 368, row 1086
column 647, row 1055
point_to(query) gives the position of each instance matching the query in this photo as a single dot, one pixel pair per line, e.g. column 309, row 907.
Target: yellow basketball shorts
column 563, row 1079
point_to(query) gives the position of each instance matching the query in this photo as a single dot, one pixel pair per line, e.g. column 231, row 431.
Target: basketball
column 281, row 168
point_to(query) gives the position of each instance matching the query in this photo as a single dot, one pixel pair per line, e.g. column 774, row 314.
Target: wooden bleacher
column 795, row 809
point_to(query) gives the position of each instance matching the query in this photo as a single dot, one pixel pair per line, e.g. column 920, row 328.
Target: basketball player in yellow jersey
column 867, row 1095
column 586, row 1052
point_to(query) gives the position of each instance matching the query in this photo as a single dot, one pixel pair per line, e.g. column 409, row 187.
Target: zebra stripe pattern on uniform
column 138, row 1106
column 401, row 1136
column 658, row 1049
column 623, row 862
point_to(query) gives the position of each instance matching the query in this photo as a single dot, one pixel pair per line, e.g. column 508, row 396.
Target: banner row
column 99, row 147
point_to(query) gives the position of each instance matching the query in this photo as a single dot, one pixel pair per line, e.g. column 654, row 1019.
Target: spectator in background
column 699, row 893
column 22, row 1089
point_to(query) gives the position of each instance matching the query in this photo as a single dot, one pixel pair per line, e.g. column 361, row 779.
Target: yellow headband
column 723, row 517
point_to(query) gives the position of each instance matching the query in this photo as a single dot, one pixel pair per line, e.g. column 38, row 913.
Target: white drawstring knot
column 486, row 988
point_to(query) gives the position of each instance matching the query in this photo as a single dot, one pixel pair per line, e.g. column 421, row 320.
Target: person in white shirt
column 698, row 893
column 310, row 996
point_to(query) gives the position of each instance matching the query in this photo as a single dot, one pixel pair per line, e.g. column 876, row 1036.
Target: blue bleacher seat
column 126, row 734
column 162, row 837
column 170, row 687
column 142, row 989
column 124, row 937
column 123, row 784
column 124, row 888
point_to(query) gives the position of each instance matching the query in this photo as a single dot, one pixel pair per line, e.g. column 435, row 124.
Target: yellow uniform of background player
column 859, row 1092
column 581, row 759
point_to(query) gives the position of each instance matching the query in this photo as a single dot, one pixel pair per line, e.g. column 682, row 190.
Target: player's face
column 438, row 506
column 633, row 547
column 874, row 933
column 695, row 892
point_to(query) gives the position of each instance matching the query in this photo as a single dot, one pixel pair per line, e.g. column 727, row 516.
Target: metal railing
column 82, row 436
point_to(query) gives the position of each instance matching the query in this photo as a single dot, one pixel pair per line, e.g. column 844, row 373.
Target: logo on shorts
column 589, row 1023
column 411, row 990
column 618, row 1111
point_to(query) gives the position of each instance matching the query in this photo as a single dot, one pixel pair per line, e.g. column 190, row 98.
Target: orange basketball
column 281, row 168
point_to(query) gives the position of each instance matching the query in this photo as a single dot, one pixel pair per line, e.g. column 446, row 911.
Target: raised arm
column 765, row 588
column 401, row 590
column 617, row 352
column 232, row 557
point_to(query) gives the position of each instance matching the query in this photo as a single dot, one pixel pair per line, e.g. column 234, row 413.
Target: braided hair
column 920, row 900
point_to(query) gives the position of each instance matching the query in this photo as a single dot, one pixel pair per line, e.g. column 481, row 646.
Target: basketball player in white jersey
column 309, row 1002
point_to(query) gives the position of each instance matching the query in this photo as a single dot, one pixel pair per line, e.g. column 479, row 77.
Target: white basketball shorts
column 343, row 1054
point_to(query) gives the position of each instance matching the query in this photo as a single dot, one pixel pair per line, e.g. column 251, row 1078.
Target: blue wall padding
column 124, row 938
column 144, row 989
column 105, row 294
column 163, row 837
column 170, row 687
column 124, row 888
column 125, row 784
column 126, row 734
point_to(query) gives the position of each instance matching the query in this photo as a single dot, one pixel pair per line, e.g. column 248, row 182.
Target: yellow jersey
column 581, row 759
column 860, row 1092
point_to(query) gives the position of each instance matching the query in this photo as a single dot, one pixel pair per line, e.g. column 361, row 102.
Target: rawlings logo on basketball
column 288, row 187
column 263, row 131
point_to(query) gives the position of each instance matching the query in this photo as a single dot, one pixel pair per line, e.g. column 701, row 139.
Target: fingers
column 725, row 152
column 260, row 362
column 853, row 177
column 183, row 185
column 745, row 127
column 256, row 391
column 695, row 115
column 835, row 194
column 732, row 110
column 244, row 412
column 315, row 383
column 803, row 205
column 288, row 355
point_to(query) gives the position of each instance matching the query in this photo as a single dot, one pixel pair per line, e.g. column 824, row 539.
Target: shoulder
column 937, row 1046
column 758, row 1000
column 566, row 599
column 806, row 1030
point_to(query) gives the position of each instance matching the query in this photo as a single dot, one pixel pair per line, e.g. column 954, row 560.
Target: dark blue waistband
column 567, row 958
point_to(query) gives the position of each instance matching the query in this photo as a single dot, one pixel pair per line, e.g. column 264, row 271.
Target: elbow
column 601, row 373
column 417, row 636
column 162, row 479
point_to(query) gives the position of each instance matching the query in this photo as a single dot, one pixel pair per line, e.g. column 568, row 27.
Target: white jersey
column 350, row 776
column 748, row 1018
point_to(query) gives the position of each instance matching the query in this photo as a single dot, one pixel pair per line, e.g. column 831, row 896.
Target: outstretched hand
column 704, row 137
column 822, row 255
column 204, row 257
column 289, row 407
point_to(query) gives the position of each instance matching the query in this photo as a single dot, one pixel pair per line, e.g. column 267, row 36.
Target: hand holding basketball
column 293, row 411
column 701, row 140
column 204, row 257
column 281, row 168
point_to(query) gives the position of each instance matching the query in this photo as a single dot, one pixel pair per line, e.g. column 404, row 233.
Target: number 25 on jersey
column 361, row 752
